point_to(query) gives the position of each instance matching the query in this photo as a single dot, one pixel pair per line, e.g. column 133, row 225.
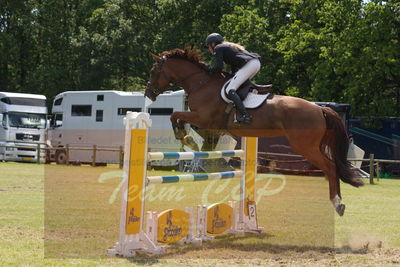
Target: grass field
column 61, row 216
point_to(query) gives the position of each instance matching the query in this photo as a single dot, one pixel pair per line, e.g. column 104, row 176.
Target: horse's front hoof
column 189, row 141
column 340, row 209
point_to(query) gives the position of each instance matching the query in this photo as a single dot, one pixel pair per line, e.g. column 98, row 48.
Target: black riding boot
column 244, row 116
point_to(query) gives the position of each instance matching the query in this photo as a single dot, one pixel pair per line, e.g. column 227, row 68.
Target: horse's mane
column 190, row 53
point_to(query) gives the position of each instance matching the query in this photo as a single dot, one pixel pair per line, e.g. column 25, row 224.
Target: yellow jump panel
column 136, row 186
column 250, row 172
column 219, row 218
column 173, row 225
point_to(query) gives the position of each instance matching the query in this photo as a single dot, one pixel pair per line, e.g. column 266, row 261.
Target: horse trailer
column 82, row 119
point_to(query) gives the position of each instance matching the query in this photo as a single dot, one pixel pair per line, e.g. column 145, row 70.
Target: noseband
column 159, row 72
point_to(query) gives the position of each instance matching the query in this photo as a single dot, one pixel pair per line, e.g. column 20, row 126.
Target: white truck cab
column 23, row 123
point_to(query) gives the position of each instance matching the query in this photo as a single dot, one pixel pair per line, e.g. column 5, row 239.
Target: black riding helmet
column 214, row 37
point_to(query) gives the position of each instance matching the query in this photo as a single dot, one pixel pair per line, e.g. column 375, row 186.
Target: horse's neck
column 187, row 74
column 202, row 88
column 203, row 92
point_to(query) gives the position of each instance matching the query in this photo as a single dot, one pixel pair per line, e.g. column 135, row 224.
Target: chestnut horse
column 315, row 132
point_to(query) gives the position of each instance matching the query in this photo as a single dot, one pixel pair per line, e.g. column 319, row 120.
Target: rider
column 244, row 66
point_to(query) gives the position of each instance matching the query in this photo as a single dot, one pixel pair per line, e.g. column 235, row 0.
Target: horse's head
column 159, row 80
column 165, row 74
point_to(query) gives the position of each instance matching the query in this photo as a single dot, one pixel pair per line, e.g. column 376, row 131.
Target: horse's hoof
column 189, row 141
column 340, row 209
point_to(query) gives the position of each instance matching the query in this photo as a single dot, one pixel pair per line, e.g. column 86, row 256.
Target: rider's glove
column 212, row 69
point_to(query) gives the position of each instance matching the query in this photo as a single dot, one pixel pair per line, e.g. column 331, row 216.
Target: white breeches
column 246, row 72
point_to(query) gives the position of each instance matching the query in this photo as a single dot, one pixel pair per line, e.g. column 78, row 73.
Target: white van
column 23, row 126
column 87, row 118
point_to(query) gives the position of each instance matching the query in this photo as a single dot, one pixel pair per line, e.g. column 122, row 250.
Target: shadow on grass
column 231, row 242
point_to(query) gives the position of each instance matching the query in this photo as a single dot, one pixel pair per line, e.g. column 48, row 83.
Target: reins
column 177, row 82
column 186, row 77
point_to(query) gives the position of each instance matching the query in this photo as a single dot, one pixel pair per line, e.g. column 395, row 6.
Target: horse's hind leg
column 310, row 150
column 328, row 167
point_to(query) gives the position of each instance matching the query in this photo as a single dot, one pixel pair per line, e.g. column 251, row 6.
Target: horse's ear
column 155, row 57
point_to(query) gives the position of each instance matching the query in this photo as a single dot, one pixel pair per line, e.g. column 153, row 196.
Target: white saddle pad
column 252, row 100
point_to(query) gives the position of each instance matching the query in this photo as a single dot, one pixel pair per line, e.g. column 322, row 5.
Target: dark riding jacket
column 231, row 56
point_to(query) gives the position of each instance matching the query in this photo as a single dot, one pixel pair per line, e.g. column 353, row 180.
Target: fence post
column 67, row 153
column 94, row 156
column 371, row 168
column 378, row 171
column 38, row 154
column 121, row 157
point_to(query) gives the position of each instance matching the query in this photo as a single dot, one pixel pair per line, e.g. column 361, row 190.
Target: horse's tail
column 335, row 145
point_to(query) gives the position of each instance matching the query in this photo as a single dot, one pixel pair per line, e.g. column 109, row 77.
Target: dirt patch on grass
column 377, row 257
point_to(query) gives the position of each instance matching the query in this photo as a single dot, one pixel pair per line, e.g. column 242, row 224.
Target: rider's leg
column 246, row 72
column 244, row 116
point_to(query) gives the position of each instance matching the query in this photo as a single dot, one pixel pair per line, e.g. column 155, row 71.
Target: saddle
column 249, row 86
column 252, row 95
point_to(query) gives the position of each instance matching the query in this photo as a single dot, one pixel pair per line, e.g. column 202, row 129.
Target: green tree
column 114, row 46
column 373, row 68
column 17, row 44
column 321, row 50
column 246, row 27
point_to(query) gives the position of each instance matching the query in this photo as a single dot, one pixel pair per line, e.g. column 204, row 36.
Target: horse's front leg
column 178, row 126
column 178, row 120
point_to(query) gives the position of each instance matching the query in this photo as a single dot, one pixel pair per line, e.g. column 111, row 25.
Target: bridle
column 154, row 90
column 150, row 85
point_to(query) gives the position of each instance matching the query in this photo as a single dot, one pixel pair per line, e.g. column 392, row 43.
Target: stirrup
column 245, row 118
